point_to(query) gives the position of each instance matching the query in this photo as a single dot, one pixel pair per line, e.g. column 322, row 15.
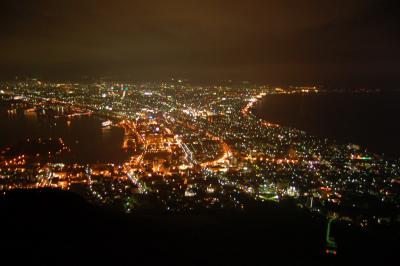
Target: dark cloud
column 277, row 41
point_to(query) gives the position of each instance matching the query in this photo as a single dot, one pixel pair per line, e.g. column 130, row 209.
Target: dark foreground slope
column 54, row 227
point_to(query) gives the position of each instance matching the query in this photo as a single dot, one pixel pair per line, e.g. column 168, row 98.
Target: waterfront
column 192, row 148
column 88, row 141
column 369, row 120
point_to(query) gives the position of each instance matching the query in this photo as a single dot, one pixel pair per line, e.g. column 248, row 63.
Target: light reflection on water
column 88, row 141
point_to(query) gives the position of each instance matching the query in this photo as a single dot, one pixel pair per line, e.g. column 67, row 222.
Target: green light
column 330, row 241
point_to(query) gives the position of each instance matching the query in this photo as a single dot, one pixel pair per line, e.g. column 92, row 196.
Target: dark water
column 370, row 120
column 88, row 141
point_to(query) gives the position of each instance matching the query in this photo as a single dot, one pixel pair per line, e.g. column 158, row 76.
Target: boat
column 107, row 123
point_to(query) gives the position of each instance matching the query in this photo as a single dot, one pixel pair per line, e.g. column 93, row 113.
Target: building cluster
column 200, row 147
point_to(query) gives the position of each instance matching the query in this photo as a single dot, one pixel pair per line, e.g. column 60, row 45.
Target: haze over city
column 199, row 132
column 346, row 43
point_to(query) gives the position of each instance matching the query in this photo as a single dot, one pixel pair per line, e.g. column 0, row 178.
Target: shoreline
column 313, row 122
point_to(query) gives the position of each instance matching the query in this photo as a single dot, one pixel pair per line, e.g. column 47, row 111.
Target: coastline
column 340, row 117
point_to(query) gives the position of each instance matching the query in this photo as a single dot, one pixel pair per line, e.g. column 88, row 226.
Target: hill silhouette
column 52, row 227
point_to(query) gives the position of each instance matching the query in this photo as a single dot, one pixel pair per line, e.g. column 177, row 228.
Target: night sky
column 347, row 43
